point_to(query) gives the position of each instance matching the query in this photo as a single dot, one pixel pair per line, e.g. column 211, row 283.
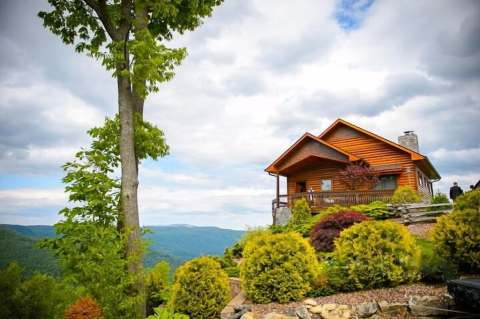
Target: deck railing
column 319, row 200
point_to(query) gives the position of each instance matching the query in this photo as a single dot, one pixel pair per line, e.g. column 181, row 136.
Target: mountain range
column 174, row 243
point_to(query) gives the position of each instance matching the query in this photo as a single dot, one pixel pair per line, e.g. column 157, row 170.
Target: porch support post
column 278, row 190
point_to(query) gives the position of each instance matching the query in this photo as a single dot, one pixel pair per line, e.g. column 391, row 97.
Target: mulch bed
column 399, row 294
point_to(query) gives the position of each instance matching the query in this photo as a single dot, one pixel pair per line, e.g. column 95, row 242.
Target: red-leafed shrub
column 327, row 229
column 84, row 308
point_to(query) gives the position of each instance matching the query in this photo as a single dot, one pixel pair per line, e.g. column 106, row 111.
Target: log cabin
column 312, row 167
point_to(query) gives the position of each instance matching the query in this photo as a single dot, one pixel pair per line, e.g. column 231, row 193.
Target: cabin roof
column 272, row 168
column 422, row 160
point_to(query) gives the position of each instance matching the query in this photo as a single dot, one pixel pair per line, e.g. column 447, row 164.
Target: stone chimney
column 409, row 140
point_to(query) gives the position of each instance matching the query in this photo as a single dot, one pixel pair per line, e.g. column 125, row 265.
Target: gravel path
column 420, row 230
column 399, row 294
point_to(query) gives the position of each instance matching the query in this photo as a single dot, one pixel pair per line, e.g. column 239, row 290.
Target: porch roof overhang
column 306, row 148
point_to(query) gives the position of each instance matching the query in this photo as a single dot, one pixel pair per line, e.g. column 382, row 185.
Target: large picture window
column 386, row 182
column 326, row 185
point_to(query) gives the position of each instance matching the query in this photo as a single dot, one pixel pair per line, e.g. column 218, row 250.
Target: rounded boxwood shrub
column 326, row 230
column 405, row 195
column 201, row 289
column 377, row 254
column 457, row 238
column 278, row 268
column 470, row 199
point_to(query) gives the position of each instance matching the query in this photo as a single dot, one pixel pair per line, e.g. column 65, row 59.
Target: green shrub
column 279, row 267
column 326, row 230
column 306, row 228
column 251, row 234
column 405, row 195
column 470, row 199
column 433, row 267
column 166, row 313
column 375, row 210
column 157, row 285
column 377, row 254
column 457, row 237
column 40, row 296
column 439, row 198
column 301, row 213
column 201, row 289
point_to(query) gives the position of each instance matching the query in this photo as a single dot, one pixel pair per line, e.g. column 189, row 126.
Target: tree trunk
column 129, row 187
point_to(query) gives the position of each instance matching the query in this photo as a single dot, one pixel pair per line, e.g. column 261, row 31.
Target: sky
column 259, row 73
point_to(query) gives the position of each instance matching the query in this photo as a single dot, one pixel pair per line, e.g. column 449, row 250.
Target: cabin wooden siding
column 375, row 152
column 312, row 176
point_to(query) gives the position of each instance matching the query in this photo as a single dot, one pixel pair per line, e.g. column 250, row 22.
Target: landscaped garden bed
column 396, row 295
column 351, row 262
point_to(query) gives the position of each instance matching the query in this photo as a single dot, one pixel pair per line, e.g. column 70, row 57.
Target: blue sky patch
column 350, row 13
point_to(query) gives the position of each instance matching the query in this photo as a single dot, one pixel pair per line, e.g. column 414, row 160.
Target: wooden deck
column 319, row 200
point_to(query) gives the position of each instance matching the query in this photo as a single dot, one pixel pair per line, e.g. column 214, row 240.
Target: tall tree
column 126, row 36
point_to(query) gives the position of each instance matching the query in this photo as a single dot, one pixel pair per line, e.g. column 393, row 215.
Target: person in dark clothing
column 455, row 191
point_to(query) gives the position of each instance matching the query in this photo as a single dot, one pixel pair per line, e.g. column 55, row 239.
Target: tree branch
column 100, row 8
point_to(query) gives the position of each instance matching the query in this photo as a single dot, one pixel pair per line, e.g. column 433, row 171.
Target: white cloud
column 258, row 75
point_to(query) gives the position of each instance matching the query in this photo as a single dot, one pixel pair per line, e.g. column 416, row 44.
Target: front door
column 301, row 187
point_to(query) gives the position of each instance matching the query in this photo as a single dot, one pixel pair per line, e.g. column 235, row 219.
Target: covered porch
column 320, row 200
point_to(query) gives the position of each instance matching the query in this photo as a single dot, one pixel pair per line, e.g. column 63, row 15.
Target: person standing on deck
column 455, row 191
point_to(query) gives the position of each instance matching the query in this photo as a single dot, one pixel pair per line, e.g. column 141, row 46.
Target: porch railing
column 319, row 200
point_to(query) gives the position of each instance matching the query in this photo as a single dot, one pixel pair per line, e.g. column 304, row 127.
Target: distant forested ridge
column 175, row 244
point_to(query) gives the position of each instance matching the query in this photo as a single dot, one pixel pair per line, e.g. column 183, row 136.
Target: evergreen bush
column 405, row 195
column 157, row 286
column 327, row 229
column 375, row 210
column 377, row 254
column 305, row 228
column 457, row 235
column 470, row 199
column 201, row 289
column 301, row 213
column 439, row 198
column 278, row 268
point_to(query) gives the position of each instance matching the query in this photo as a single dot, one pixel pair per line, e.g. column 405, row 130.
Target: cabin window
column 386, row 182
column 326, row 185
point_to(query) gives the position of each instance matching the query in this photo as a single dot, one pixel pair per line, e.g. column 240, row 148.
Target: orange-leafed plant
column 84, row 308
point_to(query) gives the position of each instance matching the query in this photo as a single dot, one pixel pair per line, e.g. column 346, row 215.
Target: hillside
column 15, row 246
column 175, row 243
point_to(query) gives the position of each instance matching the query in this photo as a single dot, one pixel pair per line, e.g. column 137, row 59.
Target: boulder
column 426, row 306
column 393, row 309
column 302, row 313
column 366, row 309
column 248, row 315
column 332, row 311
column 282, row 215
column 239, row 308
column 274, row 315
column 310, row 302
